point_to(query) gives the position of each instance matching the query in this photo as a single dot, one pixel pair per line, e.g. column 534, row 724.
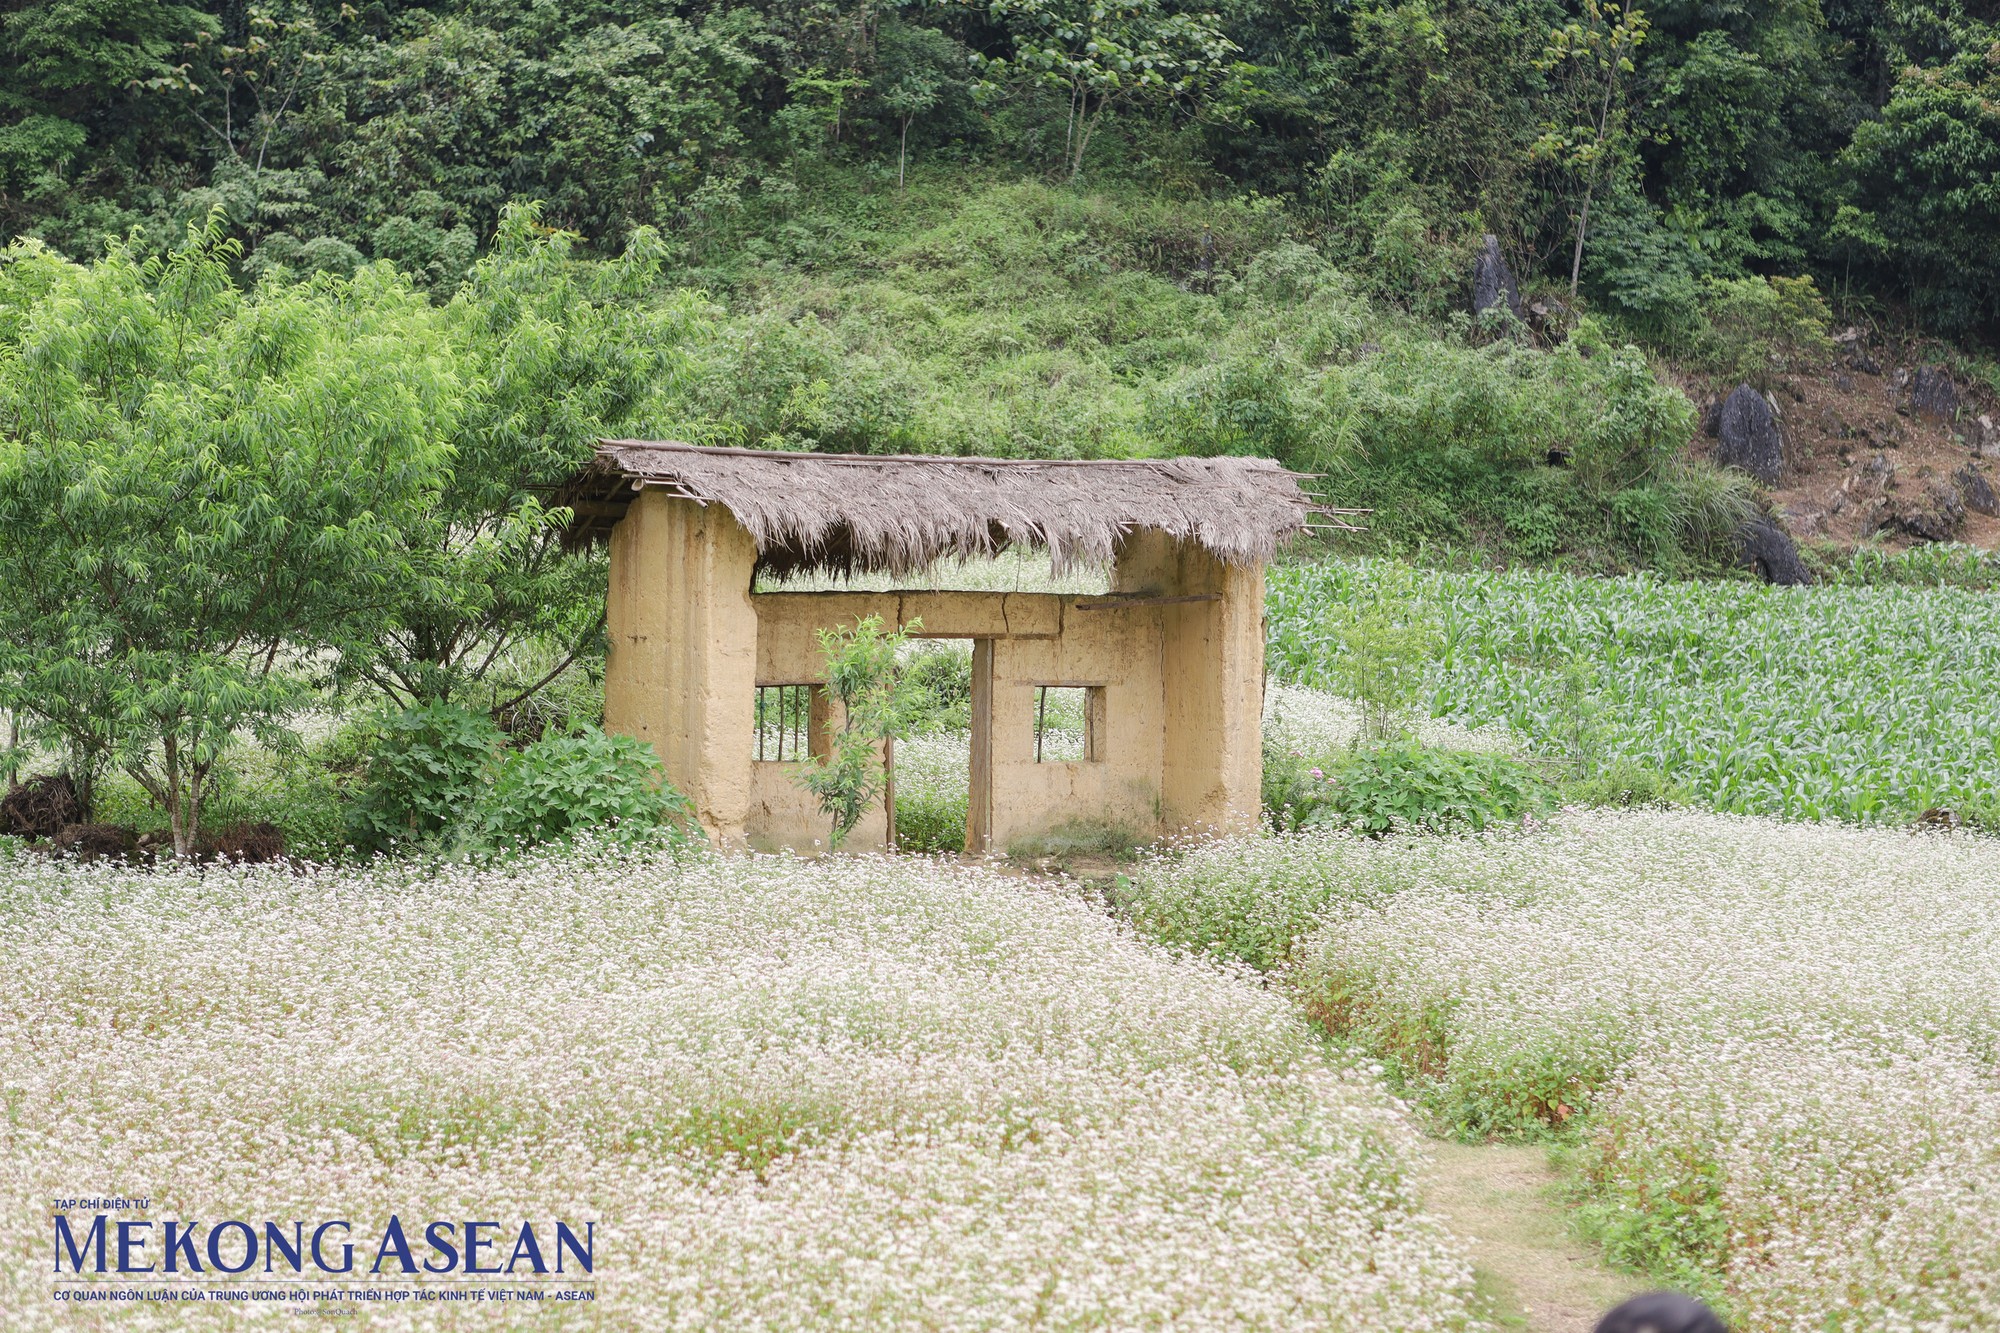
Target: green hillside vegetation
column 1679, row 142
column 1023, row 319
column 1039, row 228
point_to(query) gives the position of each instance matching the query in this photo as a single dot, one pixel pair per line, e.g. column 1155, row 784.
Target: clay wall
column 1173, row 661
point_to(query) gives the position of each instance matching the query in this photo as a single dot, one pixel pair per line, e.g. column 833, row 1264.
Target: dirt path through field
column 1539, row 1277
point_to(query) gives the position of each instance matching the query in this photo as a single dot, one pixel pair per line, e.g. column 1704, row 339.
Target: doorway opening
column 939, row 775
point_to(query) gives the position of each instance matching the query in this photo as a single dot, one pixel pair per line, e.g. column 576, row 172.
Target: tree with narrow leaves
column 208, row 496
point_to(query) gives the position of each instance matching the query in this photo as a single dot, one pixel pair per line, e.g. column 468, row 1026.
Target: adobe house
column 1169, row 666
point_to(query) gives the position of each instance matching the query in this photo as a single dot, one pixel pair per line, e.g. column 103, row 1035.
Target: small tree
column 917, row 71
column 861, row 676
column 554, row 352
column 1104, row 55
column 908, row 98
column 1589, row 134
column 1378, row 654
column 207, row 496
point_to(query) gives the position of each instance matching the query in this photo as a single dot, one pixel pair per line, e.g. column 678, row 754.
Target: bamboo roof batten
column 898, row 515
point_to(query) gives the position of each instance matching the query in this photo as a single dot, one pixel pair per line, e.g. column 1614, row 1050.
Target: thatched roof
column 848, row 512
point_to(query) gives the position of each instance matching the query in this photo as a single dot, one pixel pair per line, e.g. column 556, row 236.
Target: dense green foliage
column 562, row 787
column 443, row 778
column 424, row 766
column 204, row 495
column 1022, row 319
column 1925, row 566
column 1400, row 786
column 551, row 354
column 1025, row 229
column 1678, row 142
column 1869, row 703
column 222, row 503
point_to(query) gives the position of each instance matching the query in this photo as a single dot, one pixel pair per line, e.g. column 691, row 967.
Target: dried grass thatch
column 848, row 512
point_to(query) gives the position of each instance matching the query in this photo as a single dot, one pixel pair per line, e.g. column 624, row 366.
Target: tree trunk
column 85, row 778
column 1590, row 182
column 1084, row 125
column 1576, row 260
column 1069, row 126
column 182, row 792
column 197, row 785
column 889, row 790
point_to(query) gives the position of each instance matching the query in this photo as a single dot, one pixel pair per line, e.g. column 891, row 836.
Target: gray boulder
column 1748, row 433
column 1932, row 394
column 1768, row 549
column 1492, row 281
column 1984, row 437
column 1976, row 491
column 1852, row 343
column 1933, row 512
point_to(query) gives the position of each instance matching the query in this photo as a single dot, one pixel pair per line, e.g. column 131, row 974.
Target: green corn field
column 1859, row 703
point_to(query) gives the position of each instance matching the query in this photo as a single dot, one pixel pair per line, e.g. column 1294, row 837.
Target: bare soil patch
column 1856, row 453
column 1500, row 1199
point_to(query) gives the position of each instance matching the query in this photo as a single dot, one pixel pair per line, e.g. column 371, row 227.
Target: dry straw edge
column 899, row 514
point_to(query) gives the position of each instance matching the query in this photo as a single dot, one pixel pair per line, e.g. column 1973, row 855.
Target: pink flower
column 1318, row 774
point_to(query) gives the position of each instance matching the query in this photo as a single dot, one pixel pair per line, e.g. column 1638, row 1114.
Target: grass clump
column 1400, row 786
column 1077, row 837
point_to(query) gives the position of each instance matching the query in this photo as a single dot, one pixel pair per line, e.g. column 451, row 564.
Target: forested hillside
column 1048, row 227
column 1858, row 142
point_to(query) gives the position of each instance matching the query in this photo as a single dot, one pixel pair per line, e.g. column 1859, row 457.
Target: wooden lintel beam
column 1115, row 603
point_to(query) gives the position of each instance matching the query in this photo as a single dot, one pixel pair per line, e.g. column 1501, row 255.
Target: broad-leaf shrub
column 938, row 677
column 425, row 767
column 1758, row 328
column 1403, row 786
column 562, row 786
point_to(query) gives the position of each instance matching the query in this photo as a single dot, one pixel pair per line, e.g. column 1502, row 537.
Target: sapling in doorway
column 861, row 677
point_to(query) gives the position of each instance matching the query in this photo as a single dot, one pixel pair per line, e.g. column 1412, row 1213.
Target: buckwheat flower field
column 1780, row 1042
column 858, row 1094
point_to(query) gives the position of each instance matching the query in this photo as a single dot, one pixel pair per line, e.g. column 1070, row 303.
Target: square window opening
column 789, row 723
column 1069, row 724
